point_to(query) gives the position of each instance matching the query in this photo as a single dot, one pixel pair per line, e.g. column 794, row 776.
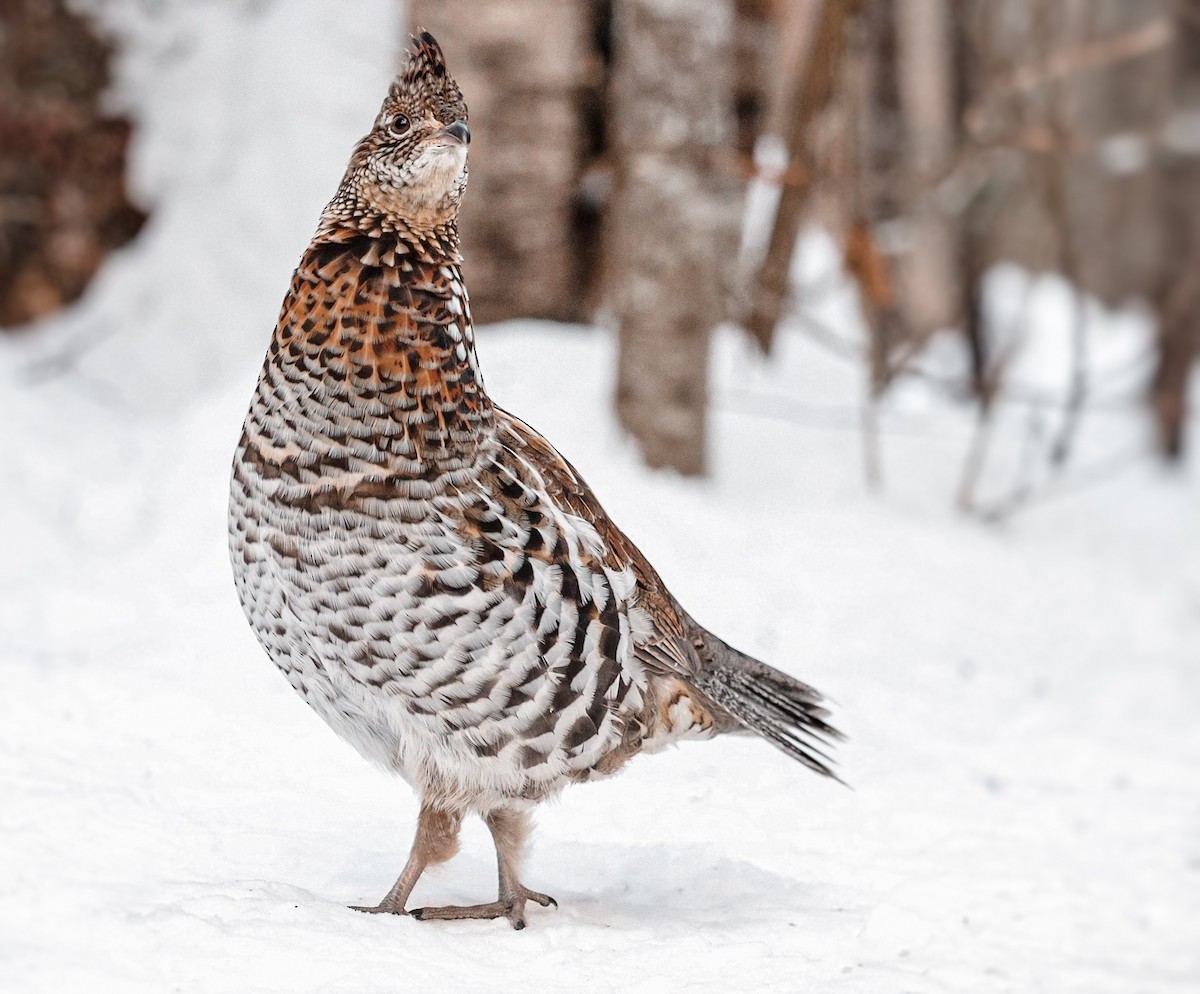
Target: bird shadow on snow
column 681, row 885
column 619, row 886
column 677, row 893
column 610, row 885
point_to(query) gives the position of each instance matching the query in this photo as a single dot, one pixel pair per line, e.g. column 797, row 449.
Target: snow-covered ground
column 1022, row 701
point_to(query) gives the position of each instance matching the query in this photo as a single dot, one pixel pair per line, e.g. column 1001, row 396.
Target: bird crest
column 410, row 171
column 425, row 85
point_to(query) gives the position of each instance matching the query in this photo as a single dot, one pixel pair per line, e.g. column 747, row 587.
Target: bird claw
column 545, row 900
column 383, row 908
column 512, row 908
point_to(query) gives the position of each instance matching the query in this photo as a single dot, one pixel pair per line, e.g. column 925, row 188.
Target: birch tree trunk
column 522, row 65
column 674, row 217
column 925, row 67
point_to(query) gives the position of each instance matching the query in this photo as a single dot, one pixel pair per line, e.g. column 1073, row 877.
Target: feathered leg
column 509, row 831
column 435, row 842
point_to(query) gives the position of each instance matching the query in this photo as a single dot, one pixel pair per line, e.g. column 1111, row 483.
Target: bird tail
column 787, row 713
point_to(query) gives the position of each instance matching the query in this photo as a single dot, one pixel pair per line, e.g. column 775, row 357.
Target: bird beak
column 457, row 132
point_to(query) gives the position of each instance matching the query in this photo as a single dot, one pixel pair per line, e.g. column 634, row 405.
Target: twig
column 1056, row 205
column 989, row 393
column 1142, row 40
column 1080, row 480
column 811, row 92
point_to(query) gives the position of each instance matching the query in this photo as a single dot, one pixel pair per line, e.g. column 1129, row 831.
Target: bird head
column 412, row 166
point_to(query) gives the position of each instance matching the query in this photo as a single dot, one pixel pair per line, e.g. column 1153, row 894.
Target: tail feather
column 789, row 714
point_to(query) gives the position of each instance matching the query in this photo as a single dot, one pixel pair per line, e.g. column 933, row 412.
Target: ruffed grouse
column 432, row 577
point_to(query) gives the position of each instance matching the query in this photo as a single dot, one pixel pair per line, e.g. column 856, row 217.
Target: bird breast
column 466, row 639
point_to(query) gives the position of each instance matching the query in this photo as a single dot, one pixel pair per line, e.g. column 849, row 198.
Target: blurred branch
column 1013, row 394
column 1057, row 179
column 863, row 261
column 1070, row 59
column 811, row 91
column 985, row 422
column 999, row 511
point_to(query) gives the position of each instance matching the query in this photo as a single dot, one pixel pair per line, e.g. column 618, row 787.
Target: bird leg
column 509, row 831
column 435, row 842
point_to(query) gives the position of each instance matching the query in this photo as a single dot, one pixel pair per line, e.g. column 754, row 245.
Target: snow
column 1021, row 699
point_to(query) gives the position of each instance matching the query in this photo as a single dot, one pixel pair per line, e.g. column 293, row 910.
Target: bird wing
column 663, row 647
column 721, row 688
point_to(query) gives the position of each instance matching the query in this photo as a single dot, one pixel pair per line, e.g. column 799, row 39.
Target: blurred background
column 872, row 323
column 654, row 165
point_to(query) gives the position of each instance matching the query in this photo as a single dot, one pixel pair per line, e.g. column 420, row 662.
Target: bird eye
column 400, row 124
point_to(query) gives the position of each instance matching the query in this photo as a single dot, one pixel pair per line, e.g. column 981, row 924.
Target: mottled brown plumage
column 430, row 574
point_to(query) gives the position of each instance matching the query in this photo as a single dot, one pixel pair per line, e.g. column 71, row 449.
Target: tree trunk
column 926, row 90
column 63, row 206
column 1081, row 88
column 674, row 218
column 522, row 65
column 1177, row 299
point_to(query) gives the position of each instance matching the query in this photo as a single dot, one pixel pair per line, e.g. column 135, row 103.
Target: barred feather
column 429, row 573
column 789, row 714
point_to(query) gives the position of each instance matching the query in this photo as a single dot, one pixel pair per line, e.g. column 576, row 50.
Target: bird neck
column 378, row 324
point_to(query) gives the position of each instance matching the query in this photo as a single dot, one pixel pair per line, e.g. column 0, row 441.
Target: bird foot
column 384, row 907
column 512, row 908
